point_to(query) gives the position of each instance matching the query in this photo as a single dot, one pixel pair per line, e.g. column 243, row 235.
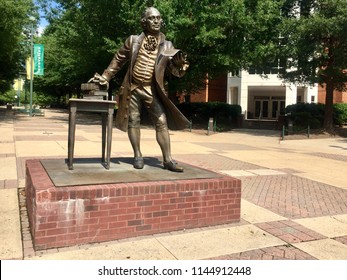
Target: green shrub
column 315, row 123
column 9, row 97
column 225, row 115
column 340, row 114
column 43, row 99
column 304, row 114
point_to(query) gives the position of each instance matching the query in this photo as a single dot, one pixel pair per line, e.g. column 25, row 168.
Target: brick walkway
column 216, row 162
column 288, row 195
column 331, row 156
column 290, row 231
column 287, row 252
column 294, row 197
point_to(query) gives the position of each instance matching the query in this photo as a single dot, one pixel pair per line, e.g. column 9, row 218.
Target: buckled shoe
column 173, row 166
column 138, row 162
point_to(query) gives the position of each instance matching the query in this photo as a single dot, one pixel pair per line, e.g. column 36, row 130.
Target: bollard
column 308, row 131
column 290, row 127
column 209, row 126
column 283, row 129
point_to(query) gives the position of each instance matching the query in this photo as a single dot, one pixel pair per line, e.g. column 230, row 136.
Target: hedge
column 312, row 114
column 225, row 115
column 340, row 113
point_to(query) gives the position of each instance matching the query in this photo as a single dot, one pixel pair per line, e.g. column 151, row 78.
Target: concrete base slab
column 256, row 214
column 217, row 242
column 193, row 245
column 325, row 249
column 330, row 226
column 145, row 249
column 89, row 171
column 8, row 168
column 237, row 173
column 10, row 233
column 265, row 172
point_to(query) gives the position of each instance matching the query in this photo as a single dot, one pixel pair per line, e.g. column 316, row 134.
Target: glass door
column 261, row 109
column 278, row 108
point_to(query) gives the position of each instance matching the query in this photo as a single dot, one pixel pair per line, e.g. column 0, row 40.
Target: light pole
column 32, row 19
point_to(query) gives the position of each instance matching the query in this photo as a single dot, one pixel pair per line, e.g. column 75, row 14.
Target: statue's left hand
column 180, row 60
column 99, row 79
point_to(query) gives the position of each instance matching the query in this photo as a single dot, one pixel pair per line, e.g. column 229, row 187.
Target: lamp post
column 31, row 65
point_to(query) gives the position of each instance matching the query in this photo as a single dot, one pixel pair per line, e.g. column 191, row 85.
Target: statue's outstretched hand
column 98, row 79
column 180, row 60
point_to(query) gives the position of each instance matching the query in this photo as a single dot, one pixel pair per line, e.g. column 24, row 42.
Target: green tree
column 316, row 44
column 14, row 21
column 218, row 36
column 81, row 39
column 221, row 35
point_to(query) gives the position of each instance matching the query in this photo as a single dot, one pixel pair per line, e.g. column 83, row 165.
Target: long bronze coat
column 128, row 53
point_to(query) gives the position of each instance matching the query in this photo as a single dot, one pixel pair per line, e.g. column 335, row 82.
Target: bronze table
column 106, row 108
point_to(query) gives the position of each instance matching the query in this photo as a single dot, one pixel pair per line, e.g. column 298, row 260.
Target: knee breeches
column 152, row 104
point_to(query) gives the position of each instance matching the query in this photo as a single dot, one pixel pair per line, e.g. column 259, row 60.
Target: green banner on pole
column 38, row 59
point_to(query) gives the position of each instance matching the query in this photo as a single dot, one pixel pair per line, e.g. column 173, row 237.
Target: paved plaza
column 294, row 192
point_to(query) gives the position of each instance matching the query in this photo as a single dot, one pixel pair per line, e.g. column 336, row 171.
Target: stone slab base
column 66, row 216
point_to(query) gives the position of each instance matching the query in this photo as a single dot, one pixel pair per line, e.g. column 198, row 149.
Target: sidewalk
column 294, row 192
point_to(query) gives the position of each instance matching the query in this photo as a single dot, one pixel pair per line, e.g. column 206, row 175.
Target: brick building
column 260, row 96
column 215, row 90
column 339, row 96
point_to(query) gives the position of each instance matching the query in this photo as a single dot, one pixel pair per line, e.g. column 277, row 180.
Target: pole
column 31, row 69
column 283, row 129
column 308, row 131
column 19, row 89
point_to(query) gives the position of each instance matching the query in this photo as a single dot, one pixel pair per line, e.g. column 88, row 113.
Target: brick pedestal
column 65, row 216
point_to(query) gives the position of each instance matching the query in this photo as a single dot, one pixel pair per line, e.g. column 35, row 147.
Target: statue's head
column 151, row 21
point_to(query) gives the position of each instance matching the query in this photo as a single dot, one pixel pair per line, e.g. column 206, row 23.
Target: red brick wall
column 217, row 91
column 339, row 97
column 74, row 215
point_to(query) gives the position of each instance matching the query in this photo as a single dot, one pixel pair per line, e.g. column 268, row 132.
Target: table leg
column 71, row 135
column 109, row 136
column 103, row 136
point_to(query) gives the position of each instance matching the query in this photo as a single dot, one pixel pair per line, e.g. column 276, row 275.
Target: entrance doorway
column 261, row 108
column 266, row 107
column 278, row 107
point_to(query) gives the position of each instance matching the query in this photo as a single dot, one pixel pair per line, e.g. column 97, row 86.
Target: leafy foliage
column 225, row 115
column 316, row 43
column 14, row 21
column 218, row 36
column 312, row 114
column 340, row 114
column 304, row 114
column 8, row 97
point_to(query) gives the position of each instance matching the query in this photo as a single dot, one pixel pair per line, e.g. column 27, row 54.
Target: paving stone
column 303, row 197
column 270, row 253
column 280, row 191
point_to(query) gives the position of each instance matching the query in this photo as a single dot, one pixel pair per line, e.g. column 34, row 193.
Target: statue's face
column 152, row 21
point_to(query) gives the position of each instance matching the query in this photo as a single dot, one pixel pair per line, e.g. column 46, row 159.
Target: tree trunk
column 328, row 115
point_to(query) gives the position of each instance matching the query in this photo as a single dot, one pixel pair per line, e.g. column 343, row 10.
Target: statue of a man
column 150, row 56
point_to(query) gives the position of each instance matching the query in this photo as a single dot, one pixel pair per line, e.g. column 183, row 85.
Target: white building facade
column 265, row 96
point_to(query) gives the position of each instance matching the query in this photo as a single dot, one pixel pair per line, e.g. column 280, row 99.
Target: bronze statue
column 150, row 56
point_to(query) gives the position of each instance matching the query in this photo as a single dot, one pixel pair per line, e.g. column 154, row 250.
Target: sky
column 43, row 22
